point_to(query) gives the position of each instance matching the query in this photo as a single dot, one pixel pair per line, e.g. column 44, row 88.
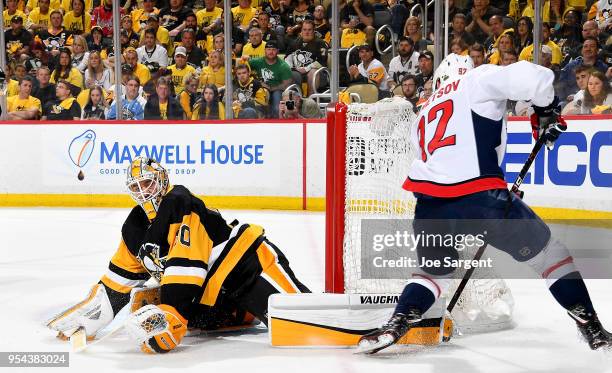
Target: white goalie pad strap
column 93, row 314
column 553, row 262
column 185, row 271
column 124, row 281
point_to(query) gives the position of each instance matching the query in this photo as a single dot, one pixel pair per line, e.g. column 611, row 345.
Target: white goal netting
column 378, row 156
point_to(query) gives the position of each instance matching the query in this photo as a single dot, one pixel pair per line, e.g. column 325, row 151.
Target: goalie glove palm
column 93, row 313
column 158, row 329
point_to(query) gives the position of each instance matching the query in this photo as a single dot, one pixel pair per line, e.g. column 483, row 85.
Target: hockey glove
column 547, row 121
column 158, row 329
column 93, row 313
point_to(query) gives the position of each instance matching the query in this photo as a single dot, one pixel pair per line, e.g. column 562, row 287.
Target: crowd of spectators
column 61, row 56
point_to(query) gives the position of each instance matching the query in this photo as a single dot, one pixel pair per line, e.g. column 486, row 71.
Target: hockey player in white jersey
column 460, row 135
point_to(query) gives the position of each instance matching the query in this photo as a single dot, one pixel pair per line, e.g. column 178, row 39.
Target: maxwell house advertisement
column 219, row 156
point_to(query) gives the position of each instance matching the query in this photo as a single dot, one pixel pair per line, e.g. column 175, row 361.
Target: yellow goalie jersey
column 191, row 251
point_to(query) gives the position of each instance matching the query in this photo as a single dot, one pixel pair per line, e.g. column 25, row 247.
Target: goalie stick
column 516, row 190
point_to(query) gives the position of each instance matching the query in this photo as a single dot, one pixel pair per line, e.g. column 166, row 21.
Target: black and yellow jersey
column 202, row 255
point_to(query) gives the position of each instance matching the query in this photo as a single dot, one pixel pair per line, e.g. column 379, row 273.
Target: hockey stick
column 515, row 189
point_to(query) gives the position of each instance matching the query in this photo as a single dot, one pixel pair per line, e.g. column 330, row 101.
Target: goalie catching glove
column 547, row 122
column 93, row 314
column 158, row 329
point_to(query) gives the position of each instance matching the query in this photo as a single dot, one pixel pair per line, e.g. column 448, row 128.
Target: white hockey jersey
column 398, row 68
column 460, row 132
column 158, row 54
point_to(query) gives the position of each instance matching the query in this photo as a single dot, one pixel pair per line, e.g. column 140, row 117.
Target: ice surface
column 51, row 257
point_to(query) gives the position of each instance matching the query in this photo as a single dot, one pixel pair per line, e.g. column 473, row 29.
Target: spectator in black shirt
column 195, row 55
column 478, row 19
column 426, row 67
column 17, row 40
column 173, row 17
column 269, row 33
column 524, row 33
column 44, row 90
column 306, row 55
column 64, row 107
column 459, row 30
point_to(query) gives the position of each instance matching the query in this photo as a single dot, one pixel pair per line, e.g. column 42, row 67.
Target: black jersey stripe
column 184, row 262
column 127, row 274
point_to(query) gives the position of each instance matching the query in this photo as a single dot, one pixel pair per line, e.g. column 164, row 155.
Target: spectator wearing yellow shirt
column 243, row 14
column 54, row 5
column 65, row 71
column 527, row 52
column 515, row 12
column 352, row 35
column 505, row 43
column 68, row 5
column 256, row 46
column 23, row 106
column 38, row 19
column 214, row 73
column 209, row 106
column 140, row 16
column 180, row 69
column 78, row 21
column 141, row 71
column 10, row 12
column 189, row 96
column 209, row 18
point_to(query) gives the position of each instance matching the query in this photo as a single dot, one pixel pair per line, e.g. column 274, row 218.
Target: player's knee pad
column 553, row 262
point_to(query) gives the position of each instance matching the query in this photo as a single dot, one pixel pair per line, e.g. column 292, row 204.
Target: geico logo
column 568, row 162
column 210, row 152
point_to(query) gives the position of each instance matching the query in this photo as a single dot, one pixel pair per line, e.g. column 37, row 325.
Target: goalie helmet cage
column 358, row 187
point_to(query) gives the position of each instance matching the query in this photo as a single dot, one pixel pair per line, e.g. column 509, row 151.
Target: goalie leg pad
column 93, row 313
column 158, row 329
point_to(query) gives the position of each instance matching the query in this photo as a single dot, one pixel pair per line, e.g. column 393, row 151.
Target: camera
column 290, row 104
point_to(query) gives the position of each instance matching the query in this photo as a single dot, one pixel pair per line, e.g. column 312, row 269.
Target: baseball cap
column 426, row 54
column 180, row 50
column 271, row 44
column 17, row 19
column 365, row 47
column 153, row 17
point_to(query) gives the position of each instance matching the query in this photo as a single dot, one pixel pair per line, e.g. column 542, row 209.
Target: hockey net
column 369, row 154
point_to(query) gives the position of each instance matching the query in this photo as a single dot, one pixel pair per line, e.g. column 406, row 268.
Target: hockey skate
column 389, row 333
column 590, row 327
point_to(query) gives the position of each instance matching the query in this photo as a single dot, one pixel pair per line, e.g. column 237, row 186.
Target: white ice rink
column 51, row 257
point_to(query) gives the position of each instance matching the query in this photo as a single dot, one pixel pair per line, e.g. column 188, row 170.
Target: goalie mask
column 453, row 67
column 147, row 183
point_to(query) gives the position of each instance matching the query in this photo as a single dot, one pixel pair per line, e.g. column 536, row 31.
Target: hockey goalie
column 211, row 274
